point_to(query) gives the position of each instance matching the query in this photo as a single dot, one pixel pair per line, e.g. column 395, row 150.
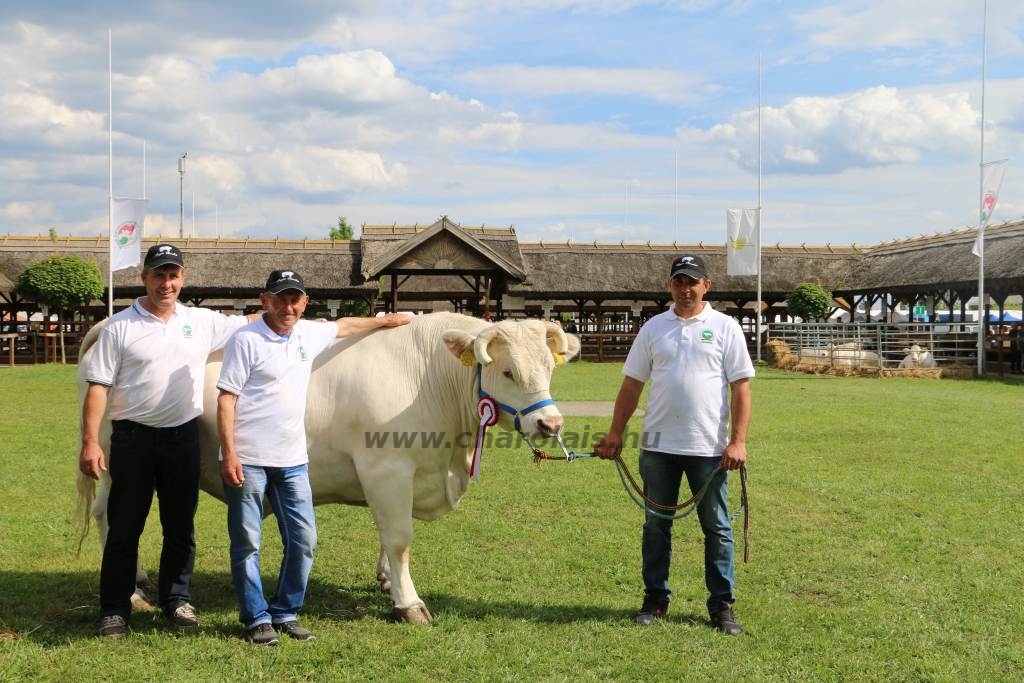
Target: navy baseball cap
column 281, row 280
column 690, row 266
column 162, row 255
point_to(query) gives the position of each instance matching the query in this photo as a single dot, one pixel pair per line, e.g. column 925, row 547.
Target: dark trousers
column 143, row 459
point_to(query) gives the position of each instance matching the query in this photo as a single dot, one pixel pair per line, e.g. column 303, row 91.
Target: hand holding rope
column 636, row 492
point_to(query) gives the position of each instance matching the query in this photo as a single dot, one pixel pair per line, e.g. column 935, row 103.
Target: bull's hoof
column 140, row 604
column 385, row 583
column 417, row 614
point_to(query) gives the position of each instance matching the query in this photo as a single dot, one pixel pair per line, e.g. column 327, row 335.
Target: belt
column 130, row 426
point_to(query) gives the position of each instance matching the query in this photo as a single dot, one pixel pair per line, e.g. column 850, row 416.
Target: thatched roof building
column 475, row 267
column 611, row 271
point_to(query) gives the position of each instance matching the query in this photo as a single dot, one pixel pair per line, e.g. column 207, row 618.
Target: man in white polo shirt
column 260, row 418
column 697, row 362
column 148, row 366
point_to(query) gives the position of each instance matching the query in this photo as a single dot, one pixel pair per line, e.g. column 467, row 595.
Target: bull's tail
column 86, row 484
column 86, row 497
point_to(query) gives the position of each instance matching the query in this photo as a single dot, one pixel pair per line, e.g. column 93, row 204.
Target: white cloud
column 867, row 128
column 37, row 212
column 589, row 6
column 317, row 170
column 364, row 76
column 28, row 115
column 879, row 24
column 499, row 135
column 663, row 85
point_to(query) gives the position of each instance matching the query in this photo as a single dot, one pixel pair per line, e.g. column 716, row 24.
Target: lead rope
column 636, row 493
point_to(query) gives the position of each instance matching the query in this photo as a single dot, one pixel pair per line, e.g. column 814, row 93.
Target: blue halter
column 508, row 409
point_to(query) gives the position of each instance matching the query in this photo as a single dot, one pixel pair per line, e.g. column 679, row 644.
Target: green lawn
column 886, row 545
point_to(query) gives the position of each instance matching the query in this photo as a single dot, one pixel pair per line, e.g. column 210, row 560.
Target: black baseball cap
column 281, row 280
column 688, row 265
column 162, row 255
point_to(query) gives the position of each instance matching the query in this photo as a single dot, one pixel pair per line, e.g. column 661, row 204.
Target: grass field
column 886, row 545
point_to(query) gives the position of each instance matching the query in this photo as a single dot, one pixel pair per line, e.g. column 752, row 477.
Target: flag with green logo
column 129, row 215
column 991, row 181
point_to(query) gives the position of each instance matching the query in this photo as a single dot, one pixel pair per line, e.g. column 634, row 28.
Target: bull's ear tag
column 487, row 409
column 559, row 358
column 467, row 358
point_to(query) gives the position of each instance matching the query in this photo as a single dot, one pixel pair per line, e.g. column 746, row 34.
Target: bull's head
column 515, row 361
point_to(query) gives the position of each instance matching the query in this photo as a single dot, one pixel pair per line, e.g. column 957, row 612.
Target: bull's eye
column 508, row 374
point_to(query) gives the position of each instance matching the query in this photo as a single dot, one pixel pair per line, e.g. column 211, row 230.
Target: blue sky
column 604, row 120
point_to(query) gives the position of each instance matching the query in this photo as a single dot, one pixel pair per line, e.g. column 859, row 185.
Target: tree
column 343, row 231
column 810, row 301
column 61, row 281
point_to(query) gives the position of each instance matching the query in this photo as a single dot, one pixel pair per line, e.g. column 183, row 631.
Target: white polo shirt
column 155, row 369
column 690, row 363
column 270, row 375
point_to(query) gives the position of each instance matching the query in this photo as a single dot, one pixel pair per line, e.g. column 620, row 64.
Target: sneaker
column 113, row 626
column 293, row 630
column 262, row 634
column 651, row 611
column 184, row 616
column 725, row 621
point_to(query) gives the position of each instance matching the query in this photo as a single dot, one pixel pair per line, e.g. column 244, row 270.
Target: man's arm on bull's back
column 625, row 405
column 90, row 459
column 735, row 454
column 230, row 465
column 350, row 326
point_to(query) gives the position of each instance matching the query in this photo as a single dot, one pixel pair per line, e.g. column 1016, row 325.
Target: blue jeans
column 662, row 474
column 291, row 499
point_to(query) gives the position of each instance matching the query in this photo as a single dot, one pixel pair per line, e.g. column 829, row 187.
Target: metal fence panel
column 885, row 346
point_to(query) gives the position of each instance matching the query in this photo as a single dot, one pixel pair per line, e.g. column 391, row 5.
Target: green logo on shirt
column 302, row 353
column 186, row 330
column 707, row 336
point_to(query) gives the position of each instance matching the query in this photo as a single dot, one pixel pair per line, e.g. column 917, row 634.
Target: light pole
column 181, row 195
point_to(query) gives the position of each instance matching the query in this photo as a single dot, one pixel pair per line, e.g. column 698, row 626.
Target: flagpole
column 675, row 197
column 982, row 322
column 757, row 326
column 110, row 172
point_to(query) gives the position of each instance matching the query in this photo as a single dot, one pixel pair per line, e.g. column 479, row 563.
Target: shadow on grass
column 54, row 609
column 556, row 613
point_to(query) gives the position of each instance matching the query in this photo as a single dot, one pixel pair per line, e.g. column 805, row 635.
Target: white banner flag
column 991, row 181
column 742, row 234
column 126, row 242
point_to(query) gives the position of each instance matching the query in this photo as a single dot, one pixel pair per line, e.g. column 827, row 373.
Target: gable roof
column 444, row 246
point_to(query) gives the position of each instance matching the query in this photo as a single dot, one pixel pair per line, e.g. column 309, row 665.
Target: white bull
column 850, row 354
column 917, row 357
column 403, row 380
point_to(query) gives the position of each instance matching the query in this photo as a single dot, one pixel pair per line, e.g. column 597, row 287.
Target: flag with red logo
column 991, row 181
column 129, row 215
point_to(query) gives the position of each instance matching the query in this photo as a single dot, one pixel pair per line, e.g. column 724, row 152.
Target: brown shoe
column 183, row 616
column 294, row 631
column 262, row 634
column 725, row 621
column 651, row 611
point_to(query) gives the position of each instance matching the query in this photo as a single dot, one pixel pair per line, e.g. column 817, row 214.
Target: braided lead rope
column 651, row 507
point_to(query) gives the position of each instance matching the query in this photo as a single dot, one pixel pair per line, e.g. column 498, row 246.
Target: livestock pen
column 877, row 346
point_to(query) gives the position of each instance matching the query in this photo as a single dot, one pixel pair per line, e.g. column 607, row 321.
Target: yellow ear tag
column 559, row 358
column 467, row 358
